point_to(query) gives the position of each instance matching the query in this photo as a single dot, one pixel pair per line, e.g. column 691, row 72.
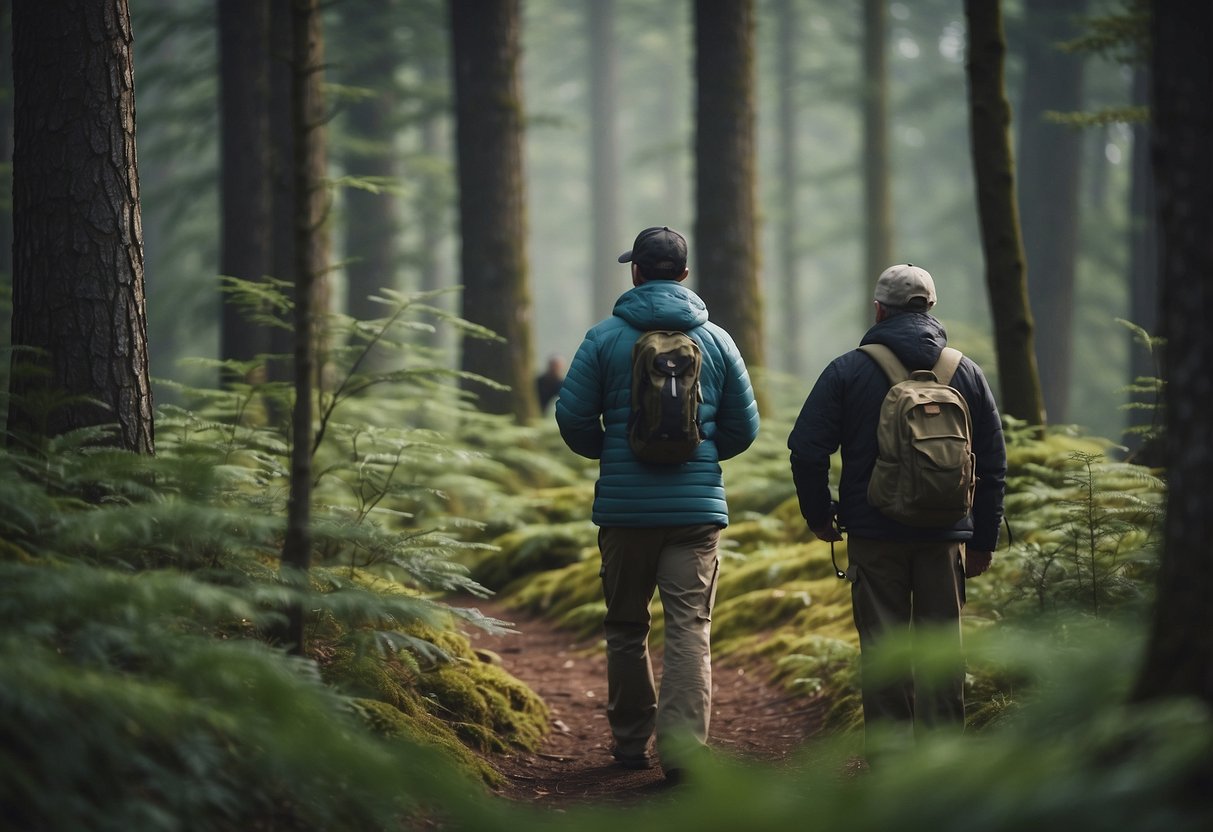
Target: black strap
column 842, row 576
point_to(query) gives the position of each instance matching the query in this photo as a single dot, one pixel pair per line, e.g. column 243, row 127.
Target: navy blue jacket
column 843, row 410
column 595, row 400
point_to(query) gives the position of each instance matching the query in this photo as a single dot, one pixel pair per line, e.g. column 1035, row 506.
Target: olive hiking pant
column 913, row 589
column 681, row 563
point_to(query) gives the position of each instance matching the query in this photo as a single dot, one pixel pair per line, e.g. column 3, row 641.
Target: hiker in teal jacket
column 659, row 524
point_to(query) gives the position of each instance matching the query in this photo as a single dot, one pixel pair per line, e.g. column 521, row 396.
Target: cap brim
column 626, row 257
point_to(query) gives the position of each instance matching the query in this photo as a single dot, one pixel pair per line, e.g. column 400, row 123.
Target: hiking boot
column 635, row 762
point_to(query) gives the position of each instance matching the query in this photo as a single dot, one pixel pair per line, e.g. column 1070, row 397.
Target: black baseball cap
column 659, row 248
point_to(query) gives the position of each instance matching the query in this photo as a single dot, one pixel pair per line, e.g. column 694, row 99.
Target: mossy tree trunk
column 994, row 173
column 309, row 214
column 486, row 41
column 1050, row 159
column 877, row 197
column 1179, row 653
column 724, row 258
column 78, row 285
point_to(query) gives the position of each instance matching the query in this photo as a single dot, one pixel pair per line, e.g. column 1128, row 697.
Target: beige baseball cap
column 898, row 285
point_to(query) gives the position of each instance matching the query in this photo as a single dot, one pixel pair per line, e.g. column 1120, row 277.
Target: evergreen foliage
column 134, row 628
column 139, row 690
column 141, row 681
column 1083, row 541
column 1146, row 392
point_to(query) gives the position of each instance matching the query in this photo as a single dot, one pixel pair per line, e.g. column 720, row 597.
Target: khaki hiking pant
column 909, row 588
column 680, row 562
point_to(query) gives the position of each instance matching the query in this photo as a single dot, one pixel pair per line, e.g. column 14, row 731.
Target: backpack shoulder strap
column 948, row 361
column 888, row 361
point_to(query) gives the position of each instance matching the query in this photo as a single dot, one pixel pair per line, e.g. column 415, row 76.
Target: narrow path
column 751, row 719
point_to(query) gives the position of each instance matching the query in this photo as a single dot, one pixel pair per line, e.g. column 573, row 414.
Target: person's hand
column 977, row 562
column 827, row 532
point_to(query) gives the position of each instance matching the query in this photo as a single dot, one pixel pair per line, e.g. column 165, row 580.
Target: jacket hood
column 916, row 338
column 661, row 304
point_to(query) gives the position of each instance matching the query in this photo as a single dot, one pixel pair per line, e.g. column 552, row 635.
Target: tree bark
column 877, row 197
column 1179, row 653
column 77, row 242
column 604, row 159
column 1050, row 159
column 492, row 210
column 726, row 239
column 310, row 210
column 6, row 149
column 244, row 150
column 994, row 173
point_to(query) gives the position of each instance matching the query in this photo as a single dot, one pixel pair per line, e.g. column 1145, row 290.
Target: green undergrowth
column 1082, row 542
column 465, row 705
column 1074, row 756
column 142, row 596
column 521, row 553
column 156, row 579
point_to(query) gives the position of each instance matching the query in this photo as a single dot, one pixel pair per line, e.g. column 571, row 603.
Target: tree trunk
column 726, row 240
column 492, row 211
column 371, row 221
column 6, row 151
column 604, row 159
column 1050, row 159
column 792, row 322
column 77, row 241
column 877, row 199
column 1179, row 654
column 308, row 119
column 994, row 174
column 244, row 149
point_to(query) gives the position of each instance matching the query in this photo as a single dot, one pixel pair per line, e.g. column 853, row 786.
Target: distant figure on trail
column 907, row 573
column 659, row 522
column 547, row 383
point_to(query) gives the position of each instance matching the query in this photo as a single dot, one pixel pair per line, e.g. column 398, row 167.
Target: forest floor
column 751, row 718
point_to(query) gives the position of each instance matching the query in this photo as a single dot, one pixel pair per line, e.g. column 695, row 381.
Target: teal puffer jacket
column 595, row 400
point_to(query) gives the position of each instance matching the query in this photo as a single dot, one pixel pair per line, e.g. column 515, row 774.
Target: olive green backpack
column 664, row 425
column 924, row 474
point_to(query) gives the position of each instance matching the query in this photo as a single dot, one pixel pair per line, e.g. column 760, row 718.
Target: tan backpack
column 924, row 474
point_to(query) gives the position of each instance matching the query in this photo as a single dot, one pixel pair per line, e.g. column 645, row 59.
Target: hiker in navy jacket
column 902, row 576
column 659, row 524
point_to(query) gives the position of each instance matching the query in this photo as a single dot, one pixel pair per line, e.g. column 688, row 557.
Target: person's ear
column 881, row 314
column 636, row 278
column 683, row 276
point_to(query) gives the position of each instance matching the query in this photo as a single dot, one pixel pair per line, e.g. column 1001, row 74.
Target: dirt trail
column 751, row 718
